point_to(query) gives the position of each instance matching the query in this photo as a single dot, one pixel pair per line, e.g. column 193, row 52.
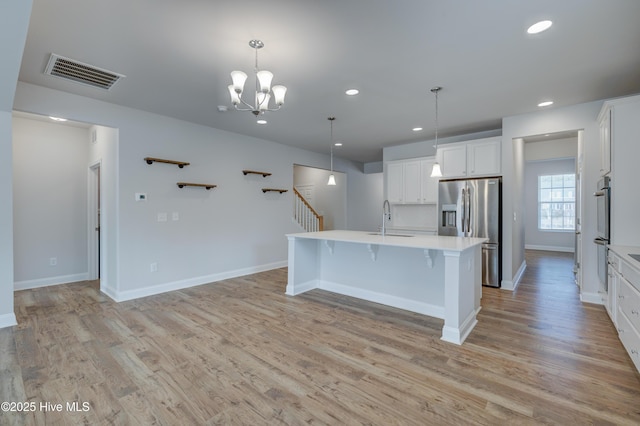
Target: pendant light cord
column 436, row 90
column 331, row 148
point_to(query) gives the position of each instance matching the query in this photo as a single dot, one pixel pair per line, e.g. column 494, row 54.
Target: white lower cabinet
column 623, row 304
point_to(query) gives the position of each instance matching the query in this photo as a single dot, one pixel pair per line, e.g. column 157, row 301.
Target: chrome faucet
column 386, row 215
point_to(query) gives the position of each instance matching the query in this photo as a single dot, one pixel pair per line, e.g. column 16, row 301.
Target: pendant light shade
column 332, row 178
column 436, row 171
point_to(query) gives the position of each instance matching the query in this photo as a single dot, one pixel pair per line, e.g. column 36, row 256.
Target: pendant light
column 436, row 172
column 332, row 178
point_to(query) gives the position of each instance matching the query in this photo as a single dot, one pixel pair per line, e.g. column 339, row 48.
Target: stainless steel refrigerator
column 473, row 208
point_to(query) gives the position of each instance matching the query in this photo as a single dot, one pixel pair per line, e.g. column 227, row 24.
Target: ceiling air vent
column 70, row 69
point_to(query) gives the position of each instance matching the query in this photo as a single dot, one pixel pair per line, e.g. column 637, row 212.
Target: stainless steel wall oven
column 603, row 197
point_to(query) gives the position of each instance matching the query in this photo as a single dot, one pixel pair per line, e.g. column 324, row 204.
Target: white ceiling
column 177, row 56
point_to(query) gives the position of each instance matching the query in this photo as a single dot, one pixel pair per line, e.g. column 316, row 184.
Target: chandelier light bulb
column 238, row 78
column 278, row 94
column 264, row 77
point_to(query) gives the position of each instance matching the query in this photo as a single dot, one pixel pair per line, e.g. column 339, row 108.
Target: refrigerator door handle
column 468, row 215
column 464, row 208
column 600, row 241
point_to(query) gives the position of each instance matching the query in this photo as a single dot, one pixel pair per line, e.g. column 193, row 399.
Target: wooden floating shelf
column 151, row 160
column 274, row 190
column 264, row 174
column 208, row 186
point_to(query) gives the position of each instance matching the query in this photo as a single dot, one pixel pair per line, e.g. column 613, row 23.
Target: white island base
column 431, row 275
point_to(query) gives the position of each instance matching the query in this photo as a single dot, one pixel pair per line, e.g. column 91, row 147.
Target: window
column 557, row 202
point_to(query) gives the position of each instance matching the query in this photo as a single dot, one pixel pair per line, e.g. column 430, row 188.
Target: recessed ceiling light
column 58, row 118
column 545, row 103
column 539, row 27
column 261, row 121
column 352, row 92
column 338, row 144
column 417, row 129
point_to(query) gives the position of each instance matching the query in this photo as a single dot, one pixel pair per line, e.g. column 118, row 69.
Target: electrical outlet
column 162, row 217
column 153, row 267
column 53, row 261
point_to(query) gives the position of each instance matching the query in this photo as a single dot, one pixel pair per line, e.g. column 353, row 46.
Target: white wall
column 427, row 149
column 103, row 151
column 551, row 149
column 365, row 198
column 329, row 201
column 231, row 230
column 14, row 22
column 576, row 117
column 49, row 202
column 534, row 237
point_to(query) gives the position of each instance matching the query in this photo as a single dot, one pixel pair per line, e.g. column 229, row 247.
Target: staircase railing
column 305, row 215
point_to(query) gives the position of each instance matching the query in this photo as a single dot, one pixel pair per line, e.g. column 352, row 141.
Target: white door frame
column 95, row 254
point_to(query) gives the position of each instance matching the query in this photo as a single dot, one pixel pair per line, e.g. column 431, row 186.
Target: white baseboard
column 458, row 336
column 8, row 320
column 384, row 299
column 512, row 285
column 45, row 282
column 301, row 288
column 595, row 298
column 549, row 248
column 121, row 296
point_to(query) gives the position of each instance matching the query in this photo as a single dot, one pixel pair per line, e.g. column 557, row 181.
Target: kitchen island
column 432, row 275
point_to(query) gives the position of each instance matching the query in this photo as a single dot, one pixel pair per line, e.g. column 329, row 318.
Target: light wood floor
column 241, row 352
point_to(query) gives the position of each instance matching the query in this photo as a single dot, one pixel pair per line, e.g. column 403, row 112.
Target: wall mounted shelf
column 264, row 174
column 208, row 186
column 274, row 190
column 151, row 160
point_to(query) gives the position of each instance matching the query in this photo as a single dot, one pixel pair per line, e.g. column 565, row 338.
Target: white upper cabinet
column 429, row 184
column 605, row 141
column 394, row 180
column 453, row 160
column 410, row 181
column 620, row 125
column 470, row 159
column 483, row 158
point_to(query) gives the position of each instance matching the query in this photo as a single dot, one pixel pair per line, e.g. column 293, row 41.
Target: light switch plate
column 162, row 217
column 175, row 216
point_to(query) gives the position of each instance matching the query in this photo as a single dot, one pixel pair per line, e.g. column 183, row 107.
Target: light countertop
column 624, row 251
column 432, row 242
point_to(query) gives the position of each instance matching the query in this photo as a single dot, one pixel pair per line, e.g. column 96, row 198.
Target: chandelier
column 263, row 88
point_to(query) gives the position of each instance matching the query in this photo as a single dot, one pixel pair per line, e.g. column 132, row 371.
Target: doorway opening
column 552, row 194
column 329, row 201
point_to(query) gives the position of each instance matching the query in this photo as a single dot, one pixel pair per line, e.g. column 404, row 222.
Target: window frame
column 554, row 199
